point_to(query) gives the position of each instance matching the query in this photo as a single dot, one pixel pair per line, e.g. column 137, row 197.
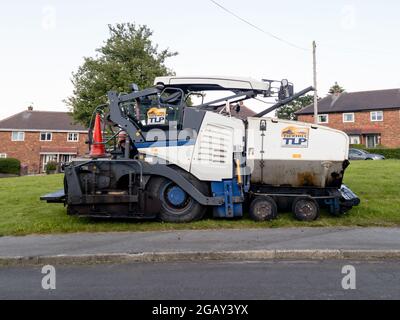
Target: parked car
column 357, row 154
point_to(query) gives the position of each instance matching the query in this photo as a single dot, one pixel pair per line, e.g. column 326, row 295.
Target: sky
column 43, row 42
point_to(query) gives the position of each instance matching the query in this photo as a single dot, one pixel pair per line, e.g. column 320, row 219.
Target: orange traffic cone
column 98, row 149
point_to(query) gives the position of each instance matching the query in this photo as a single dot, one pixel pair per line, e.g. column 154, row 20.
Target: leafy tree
column 288, row 112
column 336, row 88
column 127, row 56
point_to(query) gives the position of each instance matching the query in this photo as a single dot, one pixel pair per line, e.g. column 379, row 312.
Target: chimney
column 337, row 94
column 30, row 108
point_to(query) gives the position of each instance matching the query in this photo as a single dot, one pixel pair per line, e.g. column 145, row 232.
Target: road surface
column 206, row 280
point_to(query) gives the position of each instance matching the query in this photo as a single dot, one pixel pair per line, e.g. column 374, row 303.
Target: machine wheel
column 263, row 209
column 305, row 209
column 176, row 205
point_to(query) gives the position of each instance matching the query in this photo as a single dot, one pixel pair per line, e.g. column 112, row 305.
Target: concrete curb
column 148, row 257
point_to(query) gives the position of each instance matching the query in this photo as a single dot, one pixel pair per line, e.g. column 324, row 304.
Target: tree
column 127, row 56
column 335, row 89
column 288, row 112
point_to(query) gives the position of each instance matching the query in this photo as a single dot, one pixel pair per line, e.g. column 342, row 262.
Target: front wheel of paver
column 176, row 206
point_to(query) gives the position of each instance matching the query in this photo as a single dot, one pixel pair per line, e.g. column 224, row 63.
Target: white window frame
column 3, row 155
column 19, row 133
column 353, row 136
column 376, row 114
column 73, row 133
column 323, row 115
column 46, row 133
column 347, row 121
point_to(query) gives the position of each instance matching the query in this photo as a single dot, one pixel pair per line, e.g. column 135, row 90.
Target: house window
column 348, row 117
column 73, row 137
column 18, row 136
column 376, row 116
column 3, row 155
column 46, row 136
column 323, row 118
column 354, row 139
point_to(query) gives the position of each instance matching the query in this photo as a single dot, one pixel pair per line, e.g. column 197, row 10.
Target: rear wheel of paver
column 305, row 209
column 263, row 209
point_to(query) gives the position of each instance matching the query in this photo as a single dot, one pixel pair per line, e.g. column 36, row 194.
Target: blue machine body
column 227, row 189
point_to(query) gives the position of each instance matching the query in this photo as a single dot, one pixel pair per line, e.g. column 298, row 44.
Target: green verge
column 21, row 212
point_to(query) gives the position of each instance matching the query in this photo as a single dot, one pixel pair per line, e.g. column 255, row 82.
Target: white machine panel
column 179, row 155
column 211, row 157
column 290, row 140
column 288, row 153
column 218, row 139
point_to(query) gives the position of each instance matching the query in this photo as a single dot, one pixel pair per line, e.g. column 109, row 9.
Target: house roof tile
column 41, row 120
column 356, row 101
column 243, row 114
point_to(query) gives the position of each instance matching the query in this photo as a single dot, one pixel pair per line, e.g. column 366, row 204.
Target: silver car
column 357, row 154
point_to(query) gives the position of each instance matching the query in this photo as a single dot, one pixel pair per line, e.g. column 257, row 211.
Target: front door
column 46, row 159
column 372, row 141
column 65, row 159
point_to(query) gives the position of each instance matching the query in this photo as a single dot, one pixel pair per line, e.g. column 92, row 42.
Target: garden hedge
column 388, row 153
column 10, row 166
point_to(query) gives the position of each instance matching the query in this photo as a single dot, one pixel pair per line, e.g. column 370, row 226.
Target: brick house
column 37, row 137
column 370, row 118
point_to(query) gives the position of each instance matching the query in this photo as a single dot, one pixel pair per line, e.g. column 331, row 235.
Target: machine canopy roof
column 214, row 83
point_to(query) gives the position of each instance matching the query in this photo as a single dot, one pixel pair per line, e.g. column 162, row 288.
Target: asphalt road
column 208, row 280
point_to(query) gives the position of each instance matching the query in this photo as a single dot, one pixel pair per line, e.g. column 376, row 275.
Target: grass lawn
column 377, row 183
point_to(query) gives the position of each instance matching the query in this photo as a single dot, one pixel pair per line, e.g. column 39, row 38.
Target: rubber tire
column 193, row 211
column 309, row 216
column 263, row 201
